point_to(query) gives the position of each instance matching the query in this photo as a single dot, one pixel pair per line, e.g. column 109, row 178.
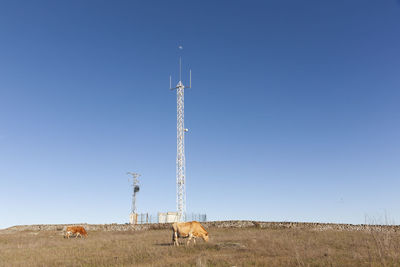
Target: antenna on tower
column 190, row 75
column 180, row 155
column 180, row 68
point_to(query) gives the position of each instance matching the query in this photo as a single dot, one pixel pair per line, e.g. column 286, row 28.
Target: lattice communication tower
column 180, row 155
column 135, row 189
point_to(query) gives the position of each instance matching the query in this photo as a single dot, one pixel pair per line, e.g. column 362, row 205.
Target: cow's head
column 205, row 237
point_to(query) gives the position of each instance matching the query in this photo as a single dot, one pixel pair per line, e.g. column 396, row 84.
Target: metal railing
column 143, row 218
column 196, row 217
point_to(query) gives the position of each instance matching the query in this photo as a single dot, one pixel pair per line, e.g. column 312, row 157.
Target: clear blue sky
column 294, row 113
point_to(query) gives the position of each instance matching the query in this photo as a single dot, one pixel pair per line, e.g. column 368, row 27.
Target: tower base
column 133, row 217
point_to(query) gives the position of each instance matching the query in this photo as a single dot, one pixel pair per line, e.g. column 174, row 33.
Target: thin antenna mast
column 180, row 155
column 180, row 68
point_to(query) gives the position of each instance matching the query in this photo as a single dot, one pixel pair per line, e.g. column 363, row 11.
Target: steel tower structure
column 135, row 189
column 180, row 151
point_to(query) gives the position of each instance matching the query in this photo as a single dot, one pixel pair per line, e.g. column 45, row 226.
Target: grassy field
column 227, row 247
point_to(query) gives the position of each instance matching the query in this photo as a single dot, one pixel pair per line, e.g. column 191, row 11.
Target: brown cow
column 188, row 229
column 77, row 230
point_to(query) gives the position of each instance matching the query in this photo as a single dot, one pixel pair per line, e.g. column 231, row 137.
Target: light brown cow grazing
column 77, row 230
column 188, row 229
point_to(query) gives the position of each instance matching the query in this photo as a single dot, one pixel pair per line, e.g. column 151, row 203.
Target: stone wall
column 301, row 225
column 214, row 224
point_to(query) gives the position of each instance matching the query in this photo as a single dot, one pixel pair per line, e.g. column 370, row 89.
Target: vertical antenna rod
column 180, row 155
column 180, row 68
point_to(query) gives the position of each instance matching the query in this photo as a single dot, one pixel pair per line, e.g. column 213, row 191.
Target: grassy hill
column 232, row 243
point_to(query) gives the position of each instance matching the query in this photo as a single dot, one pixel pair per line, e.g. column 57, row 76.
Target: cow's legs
column 190, row 238
column 176, row 241
column 77, row 234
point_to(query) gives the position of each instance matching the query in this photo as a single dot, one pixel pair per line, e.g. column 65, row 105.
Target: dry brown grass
column 228, row 247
